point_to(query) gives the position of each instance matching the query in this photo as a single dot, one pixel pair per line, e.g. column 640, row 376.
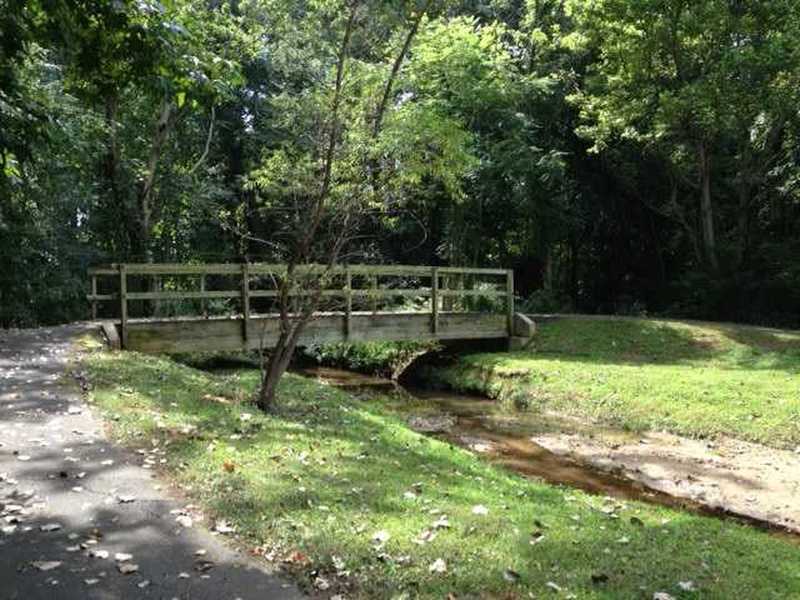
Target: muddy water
column 506, row 440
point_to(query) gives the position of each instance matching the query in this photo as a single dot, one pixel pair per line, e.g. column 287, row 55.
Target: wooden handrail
column 276, row 269
column 437, row 292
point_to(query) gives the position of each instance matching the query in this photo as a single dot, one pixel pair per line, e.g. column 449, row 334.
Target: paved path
column 70, row 501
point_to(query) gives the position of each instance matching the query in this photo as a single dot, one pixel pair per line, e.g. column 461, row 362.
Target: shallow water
column 505, row 440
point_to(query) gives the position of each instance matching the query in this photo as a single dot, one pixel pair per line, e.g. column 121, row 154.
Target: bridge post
column 510, row 301
column 123, row 306
column 203, row 304
column 348, row 309
column 245, row 301
column 373, row 284
column 94, row 295
column 435, row 301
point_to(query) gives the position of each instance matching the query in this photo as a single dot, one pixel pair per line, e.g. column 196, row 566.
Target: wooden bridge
column 205, row 307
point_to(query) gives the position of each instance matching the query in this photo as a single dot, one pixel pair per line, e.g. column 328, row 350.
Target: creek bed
column 670, row 471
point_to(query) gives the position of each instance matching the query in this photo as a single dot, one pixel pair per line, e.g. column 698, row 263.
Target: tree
column 351, row 149
column 685, row 79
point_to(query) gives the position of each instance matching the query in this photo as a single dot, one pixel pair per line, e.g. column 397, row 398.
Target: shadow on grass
column 326, row 473
column 648, row 341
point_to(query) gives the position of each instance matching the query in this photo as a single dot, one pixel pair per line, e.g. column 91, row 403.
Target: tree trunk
column 163, row 126
column 293, row 326
column 110, row 169
column 387, row 90
column 706, row 208
column 276, row 366
column 547, row 279
column 743, row 224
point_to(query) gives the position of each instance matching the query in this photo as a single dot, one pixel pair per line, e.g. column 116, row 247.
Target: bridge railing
column 250, row 289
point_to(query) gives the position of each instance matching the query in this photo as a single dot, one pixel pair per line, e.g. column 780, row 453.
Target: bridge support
column 524, row 330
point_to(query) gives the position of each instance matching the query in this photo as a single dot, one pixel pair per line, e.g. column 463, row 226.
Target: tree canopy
column 621, row 156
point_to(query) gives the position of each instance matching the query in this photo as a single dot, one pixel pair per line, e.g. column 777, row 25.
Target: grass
column 696, row 379
column 317, row 481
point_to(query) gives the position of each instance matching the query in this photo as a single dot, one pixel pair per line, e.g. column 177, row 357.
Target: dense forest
column 623, row 157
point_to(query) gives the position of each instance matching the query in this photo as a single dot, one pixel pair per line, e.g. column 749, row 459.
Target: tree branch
column 203, row 156
column 398, row 62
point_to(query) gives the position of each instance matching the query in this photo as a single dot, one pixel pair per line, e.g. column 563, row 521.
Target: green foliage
column 563, row 139
column 379, row 358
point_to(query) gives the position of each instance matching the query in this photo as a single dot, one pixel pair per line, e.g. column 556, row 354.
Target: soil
column 723, row 477
column 737, row 477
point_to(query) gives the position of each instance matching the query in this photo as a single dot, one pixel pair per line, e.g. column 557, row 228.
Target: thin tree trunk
column 706, row 208
column 292, row 326
column 743, row 223
column 398, row 62
column 110, row 168
column 676, row 211
column 163, row 126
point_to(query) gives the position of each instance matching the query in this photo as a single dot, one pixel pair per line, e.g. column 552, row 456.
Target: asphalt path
column 81, row 518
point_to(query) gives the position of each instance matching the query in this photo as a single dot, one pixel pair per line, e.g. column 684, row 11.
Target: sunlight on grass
column 688, row 378
column 356, row 499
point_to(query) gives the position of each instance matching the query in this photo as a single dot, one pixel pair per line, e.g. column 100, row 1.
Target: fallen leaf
column 553, row 586
column 425, row 537
column 381, row 537
column 321, row 583
column 438, row 566
column 127, row 568
column 229, row 466
column 46, row 565
column 184, row 520
column 297, row 557
column 203, row 565
column 223, row 527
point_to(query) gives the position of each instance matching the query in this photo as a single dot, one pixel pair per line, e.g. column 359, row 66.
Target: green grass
column 695, row 379
column 328, row 471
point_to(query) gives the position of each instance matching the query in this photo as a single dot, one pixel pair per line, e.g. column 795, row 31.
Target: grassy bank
column 359, row 504
column 689, row 378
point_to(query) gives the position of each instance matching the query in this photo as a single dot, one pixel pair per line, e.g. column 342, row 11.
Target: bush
column 380, row 358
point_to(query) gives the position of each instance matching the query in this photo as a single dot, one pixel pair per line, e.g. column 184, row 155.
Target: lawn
column 696, row 379
column 349, row 499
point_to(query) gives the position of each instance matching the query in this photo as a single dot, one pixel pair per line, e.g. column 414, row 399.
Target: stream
column 505, row 439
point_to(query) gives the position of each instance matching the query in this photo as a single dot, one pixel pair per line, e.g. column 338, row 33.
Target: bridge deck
column 198, row 334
